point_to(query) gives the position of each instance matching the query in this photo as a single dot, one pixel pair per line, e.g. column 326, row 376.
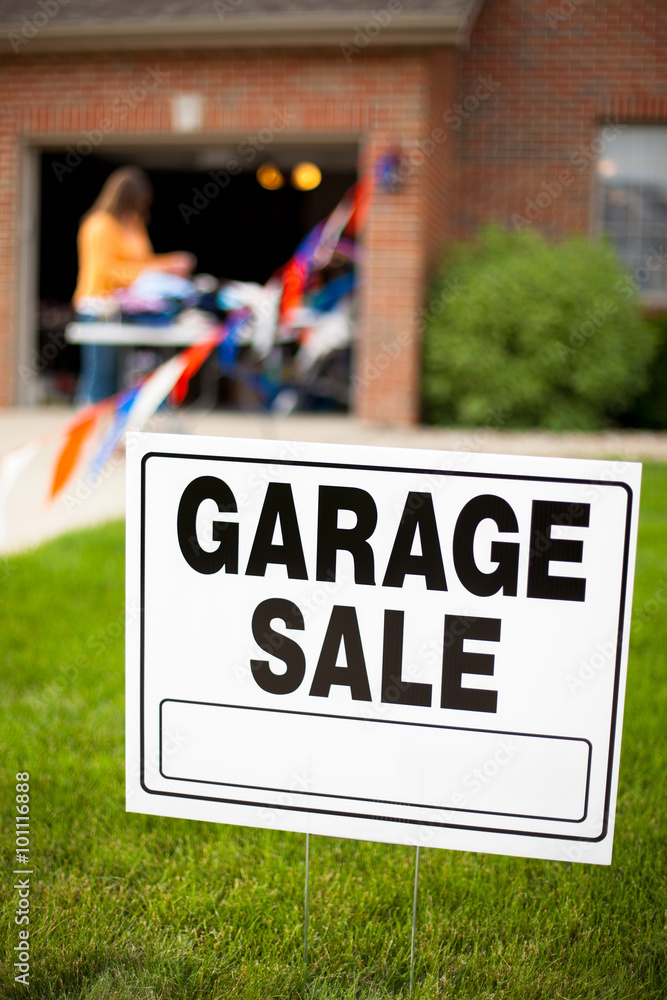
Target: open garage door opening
column 238, row 229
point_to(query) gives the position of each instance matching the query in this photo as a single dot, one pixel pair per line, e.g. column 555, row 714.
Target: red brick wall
column 8, row 251
column 406, row 233
column 562, row 67
column 440, row 145
column 379, row 96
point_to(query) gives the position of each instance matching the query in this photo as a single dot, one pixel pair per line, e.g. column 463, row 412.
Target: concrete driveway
column 29, row 519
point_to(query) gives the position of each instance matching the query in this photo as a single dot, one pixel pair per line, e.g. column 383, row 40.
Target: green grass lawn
column 126, row 906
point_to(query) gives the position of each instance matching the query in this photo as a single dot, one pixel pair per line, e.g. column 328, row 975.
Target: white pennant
column 154, row 391
column 12, row 465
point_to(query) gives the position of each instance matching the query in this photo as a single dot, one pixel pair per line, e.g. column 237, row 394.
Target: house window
column 632, row 172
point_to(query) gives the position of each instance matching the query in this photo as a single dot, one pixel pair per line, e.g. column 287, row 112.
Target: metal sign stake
column 305, row 925
column 414, row 923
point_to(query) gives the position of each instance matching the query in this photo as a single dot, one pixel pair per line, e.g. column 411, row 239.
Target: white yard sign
column 414, row 647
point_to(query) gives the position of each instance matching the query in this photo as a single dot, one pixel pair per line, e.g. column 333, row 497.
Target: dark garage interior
column 244, row 232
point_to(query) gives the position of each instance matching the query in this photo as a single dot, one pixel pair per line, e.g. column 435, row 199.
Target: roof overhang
column 274, row 31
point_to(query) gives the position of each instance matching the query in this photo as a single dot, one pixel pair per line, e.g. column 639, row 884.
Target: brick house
column 520, row 111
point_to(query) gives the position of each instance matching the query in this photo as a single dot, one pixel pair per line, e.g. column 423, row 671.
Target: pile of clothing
column 156, row 298
column 159, row 299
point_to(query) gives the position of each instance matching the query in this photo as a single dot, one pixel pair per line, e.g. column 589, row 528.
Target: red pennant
column 294, row 282
column 71, row 449
column 195, row 357
column 363, row 190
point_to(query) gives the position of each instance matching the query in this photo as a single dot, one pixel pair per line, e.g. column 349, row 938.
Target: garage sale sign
column 414, row 647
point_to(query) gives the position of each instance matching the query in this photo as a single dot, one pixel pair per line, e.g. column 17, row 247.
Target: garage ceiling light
column 306, row 176
column 270, row 177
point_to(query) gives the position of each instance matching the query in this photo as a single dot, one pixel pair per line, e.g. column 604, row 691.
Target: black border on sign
column 425, row 472
column 381, row 722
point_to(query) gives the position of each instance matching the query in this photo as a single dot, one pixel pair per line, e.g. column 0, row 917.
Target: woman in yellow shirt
column 114, row 249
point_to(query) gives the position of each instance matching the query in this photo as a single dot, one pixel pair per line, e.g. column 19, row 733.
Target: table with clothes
column 284, row 366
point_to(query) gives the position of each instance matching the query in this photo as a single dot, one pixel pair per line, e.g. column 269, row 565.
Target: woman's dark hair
column 126, row 191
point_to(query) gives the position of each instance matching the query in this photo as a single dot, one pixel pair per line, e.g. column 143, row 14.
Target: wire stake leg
column 305, row 923
column 414, row 924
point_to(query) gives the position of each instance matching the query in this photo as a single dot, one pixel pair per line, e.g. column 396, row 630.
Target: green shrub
column 650, row 408
column 520, row 332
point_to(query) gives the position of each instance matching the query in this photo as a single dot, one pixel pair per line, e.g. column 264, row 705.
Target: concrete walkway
column 30, row 519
